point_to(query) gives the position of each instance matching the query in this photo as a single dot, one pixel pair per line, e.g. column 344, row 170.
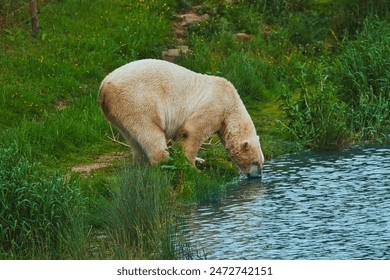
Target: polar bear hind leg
column 139, row 155
column 153, row 143
column 147, row 141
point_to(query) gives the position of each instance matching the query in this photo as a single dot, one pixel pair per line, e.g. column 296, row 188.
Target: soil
column 99, row 163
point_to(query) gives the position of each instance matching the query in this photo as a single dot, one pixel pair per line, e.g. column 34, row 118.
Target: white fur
column 152, row 101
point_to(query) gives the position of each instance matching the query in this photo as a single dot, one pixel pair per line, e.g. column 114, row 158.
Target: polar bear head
column 249, row 157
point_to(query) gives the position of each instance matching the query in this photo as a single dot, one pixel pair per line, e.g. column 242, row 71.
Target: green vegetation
column 350, row 101
column 138, row 221
column 304, row 56
column 314, row 74
column 38, row 213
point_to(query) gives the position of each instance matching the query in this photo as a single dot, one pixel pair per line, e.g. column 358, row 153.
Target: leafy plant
column 204, row 184
column 178, row 163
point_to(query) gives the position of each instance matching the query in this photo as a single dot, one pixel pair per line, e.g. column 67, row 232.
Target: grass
column 350, row 102
column 139, row 220
column 309, row 76
column 48, row 92
column 38, row 212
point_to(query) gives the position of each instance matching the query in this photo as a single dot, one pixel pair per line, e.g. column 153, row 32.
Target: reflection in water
column 310, row 206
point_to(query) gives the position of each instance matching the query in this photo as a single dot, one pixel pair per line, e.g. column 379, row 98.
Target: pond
column 307, row 206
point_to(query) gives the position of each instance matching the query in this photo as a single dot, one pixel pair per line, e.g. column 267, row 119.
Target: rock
column 192, row 18
column 172, row 54
column 243, row 37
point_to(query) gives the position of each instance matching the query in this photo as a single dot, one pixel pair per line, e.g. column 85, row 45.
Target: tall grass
column 349, row 101
column 140, row 222
column 317, row 119
column 362, row 73
column 140, row 217
column 363, row 67
column 349, row 15
column 39, row 212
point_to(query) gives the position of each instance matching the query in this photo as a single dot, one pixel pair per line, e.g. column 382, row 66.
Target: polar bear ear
column 245, row 145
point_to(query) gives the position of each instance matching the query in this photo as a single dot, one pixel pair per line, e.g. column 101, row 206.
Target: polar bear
column 151, row 101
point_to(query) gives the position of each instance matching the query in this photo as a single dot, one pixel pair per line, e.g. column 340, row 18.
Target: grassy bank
column 310, row 77
column 301, row 66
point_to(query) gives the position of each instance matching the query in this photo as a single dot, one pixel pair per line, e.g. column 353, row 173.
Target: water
column 310, row 206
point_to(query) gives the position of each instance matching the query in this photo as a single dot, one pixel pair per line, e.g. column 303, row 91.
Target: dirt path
column 100, row 162
column 179, row 26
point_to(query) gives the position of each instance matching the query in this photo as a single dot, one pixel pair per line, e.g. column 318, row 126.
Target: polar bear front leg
column 191, row 147
column 192, row 138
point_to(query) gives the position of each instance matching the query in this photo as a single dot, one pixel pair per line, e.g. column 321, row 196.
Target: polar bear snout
column 255, row 171
column 250, row 159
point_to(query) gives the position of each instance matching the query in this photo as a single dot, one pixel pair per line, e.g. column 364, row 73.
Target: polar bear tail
column 102, row 98
column 101, row 95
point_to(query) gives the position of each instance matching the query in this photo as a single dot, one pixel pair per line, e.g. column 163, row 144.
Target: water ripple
column 309, row 206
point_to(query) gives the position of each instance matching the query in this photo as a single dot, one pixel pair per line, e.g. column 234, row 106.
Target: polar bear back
column 173, row 93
